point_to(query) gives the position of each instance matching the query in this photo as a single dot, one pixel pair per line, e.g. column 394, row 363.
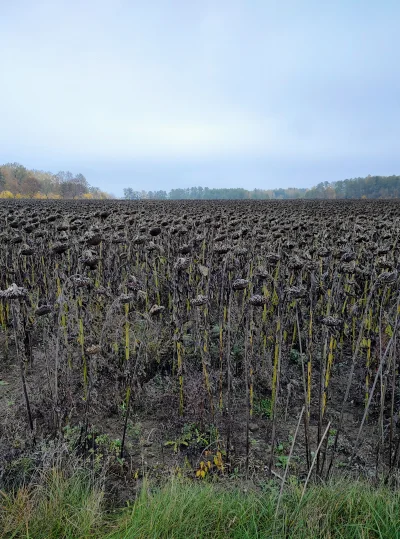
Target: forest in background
column 16, row 181
column 373, row 187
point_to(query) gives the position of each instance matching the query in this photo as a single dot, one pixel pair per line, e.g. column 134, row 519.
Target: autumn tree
column 29, row 186
column 2, row 180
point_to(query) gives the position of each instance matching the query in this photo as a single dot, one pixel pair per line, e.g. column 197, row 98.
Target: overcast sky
column 157, row 94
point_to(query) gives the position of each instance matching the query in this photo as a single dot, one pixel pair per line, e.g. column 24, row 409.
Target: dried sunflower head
column 222, row 249
column 59, row 247
column 102, row 291
column 80, row 281
column 27, row 250
column 323, row 252
column 93, row 350
column 155, row 231
column 199, row 300
column 14, row 292
column 182, row 264
column 90, row 259
column 42, row 310
column 295, row 263
column 257, row 300
column 348, row 267
column 240, row 284
column 387, row 277
column 133, row 283
column 272, row 258
column 156, row 309
column 296, row 292
column 348, row 256
column 125, row 298
column 331, row 321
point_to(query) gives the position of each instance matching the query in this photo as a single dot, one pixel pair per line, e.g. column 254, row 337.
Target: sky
column 160, row 94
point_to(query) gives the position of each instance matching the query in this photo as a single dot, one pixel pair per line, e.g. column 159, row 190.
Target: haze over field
column 162, row 95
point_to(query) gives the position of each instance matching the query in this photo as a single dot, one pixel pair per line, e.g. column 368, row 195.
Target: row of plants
column 271, row 311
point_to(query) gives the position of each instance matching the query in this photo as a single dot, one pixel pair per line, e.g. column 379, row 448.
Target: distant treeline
column 205, row 193
column 369, row 187
column 16, row 181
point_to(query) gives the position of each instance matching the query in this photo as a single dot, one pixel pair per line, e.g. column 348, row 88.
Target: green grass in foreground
column 71, row 508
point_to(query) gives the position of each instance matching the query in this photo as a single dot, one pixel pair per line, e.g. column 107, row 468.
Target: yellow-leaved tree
column 6, row 194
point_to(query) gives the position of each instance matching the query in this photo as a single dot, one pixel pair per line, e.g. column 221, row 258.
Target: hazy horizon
column 177, row 94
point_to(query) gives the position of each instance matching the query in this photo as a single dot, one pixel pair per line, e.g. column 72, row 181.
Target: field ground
column 217, row 341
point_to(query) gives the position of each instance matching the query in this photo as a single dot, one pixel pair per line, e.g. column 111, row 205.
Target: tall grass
column 56, row 507
column 205, row 511
column 73, row 508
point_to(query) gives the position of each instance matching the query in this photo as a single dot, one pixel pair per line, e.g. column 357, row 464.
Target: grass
column 57, row 507
column 73, row 508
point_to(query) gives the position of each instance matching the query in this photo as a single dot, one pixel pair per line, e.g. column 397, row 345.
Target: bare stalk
column 21, row 365
column 288, row 461
column 377, row 377
column 314, row 459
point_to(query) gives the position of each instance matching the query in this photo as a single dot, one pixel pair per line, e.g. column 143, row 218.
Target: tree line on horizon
column 16, row 181
column 371, row 187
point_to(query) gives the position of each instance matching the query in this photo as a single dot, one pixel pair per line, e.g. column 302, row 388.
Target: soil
column 152, row 445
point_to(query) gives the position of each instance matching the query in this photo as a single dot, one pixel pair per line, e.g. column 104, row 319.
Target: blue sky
column 160, row 94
